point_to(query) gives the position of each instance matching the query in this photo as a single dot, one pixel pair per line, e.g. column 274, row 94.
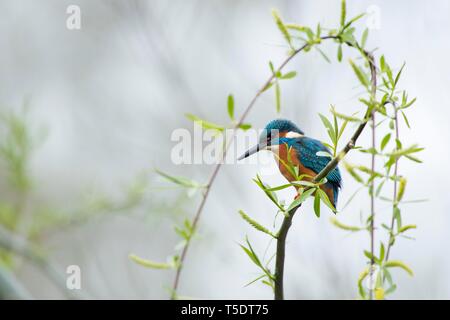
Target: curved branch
column 216, row 169
column 372, row 184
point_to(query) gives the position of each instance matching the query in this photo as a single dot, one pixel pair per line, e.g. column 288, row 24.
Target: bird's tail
column 335, row 187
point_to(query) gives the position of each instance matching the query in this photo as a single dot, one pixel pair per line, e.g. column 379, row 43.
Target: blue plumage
column 307, row 148
column 283, row 126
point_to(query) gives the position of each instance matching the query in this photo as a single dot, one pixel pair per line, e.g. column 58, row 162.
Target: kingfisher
column 291, row 146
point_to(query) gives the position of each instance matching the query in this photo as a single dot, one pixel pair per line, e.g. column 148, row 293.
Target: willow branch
column 373, row 72
column 394, row 206
column 281, row 252
column 287, row 220
column 216, row 169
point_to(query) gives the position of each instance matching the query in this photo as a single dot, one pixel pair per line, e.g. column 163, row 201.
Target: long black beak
column 252, row 150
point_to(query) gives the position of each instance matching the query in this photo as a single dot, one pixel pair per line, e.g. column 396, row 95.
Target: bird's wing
column 307, row 148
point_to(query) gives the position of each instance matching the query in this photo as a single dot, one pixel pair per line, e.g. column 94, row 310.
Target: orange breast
column 283, row 165
column 294, row 158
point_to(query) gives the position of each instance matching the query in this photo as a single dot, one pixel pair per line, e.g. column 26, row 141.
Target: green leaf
column 253, row 281
column 385, row 141
column 300, row 199
column 205, row 124
column 387, row 275
column 280, row 187
column 329, row 127
column 245, row 126
column 255, row 224
column 397, row 77
column 359, row 16
column 282, row 27
column 369, row 171
column 362, row 77
column 407, row 227
column 370, row 151
column 294, row 26
column 254, row 257
column 382, row 64
column 272, row 68
column 389, row 74
column 343, row 13
column 345, row 227
column 251, row 255
column 407, row 104
column 289, row 75
column 309, row 34
column 364, row 37
column 401, row 188
column 277, row 97
column 351, row 169
column 405, row 118
column 402, row 152
column 302, row 183
column 341, row 130
column 398, row 264
column 379, row 188
column 339, row 53
column 361, row 278
column 323, row 54
column 186, row 231
column 317, row 205
column 345, row 117
column 410, row 157
column 371, row 256
column 398, row 217
column 150, row 264
column 325, row 200
column 382, row 251
column 184, row 182
column 336, row 126
column 270, row 284
column 348, row 36
column 271, row 195
column 268, row 86
column 230, row 105
column 318, row 30
column 390, row 290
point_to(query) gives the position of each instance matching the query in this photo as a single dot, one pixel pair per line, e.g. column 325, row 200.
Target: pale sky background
column 111, row 94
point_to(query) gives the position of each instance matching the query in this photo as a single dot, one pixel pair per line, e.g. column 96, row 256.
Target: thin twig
column 394, row 206
column 373, row 72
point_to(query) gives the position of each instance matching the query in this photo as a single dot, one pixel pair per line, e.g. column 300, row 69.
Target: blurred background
column 86, row 115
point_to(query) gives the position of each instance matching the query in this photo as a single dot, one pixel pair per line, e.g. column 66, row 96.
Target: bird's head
column 274, row 134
